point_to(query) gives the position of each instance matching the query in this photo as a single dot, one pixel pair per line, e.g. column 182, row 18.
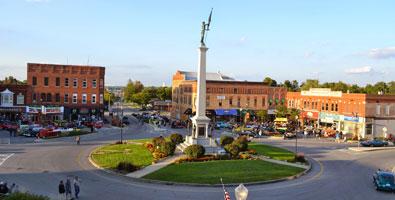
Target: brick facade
column 346, row 112
column 222, row 94
column 54, row 83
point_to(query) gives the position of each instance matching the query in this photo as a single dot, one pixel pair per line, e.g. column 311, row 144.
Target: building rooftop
column 210, row 76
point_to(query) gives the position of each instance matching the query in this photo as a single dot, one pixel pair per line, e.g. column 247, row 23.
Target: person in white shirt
column 77, row 183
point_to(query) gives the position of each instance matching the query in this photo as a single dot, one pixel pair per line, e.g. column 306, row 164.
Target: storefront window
column 387, row 110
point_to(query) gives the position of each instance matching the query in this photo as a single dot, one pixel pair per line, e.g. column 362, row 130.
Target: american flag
column 226, row 194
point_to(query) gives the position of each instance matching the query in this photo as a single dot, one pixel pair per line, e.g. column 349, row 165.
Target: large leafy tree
column 270, row 82
column 132, row 88
column 281, row 111
column 262, row 114
column 310, row 83
column 164, row 93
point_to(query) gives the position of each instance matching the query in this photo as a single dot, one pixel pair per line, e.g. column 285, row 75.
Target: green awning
column 271, row 100
column 283, row 100
column 244, row 111
column 277, row 100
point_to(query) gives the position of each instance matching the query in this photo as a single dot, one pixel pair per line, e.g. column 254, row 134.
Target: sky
column 349, row 41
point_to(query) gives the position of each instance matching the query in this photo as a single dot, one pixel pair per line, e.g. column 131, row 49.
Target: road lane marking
column 2, row 160
column 186, row 190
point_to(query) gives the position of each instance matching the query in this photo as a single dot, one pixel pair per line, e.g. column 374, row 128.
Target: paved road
column 337, row 173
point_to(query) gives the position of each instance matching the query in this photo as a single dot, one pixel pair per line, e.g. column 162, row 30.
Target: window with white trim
column 84, row 83
column 75, row 82
column 74, row 98
column 93, row 83
column 93, row 98
column 66, row 82
column 84, row 98
column 101, row 99
column 101, row 83
column 66, row 98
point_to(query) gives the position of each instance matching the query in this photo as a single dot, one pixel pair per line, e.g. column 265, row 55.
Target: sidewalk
column 151, row 168
column 361, row 149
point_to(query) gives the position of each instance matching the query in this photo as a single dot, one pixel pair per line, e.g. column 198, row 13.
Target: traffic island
column 271, row 164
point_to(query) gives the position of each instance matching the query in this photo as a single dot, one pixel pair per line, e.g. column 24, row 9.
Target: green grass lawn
column 231, row 171
column 271, row 151
column 109, row 156
column 146, row 140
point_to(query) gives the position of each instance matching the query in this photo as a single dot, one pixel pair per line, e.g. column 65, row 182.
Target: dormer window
column 7, row 98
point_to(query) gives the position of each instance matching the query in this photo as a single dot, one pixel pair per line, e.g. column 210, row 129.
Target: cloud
column 381, row 53
column 359, row 70
column 316, row 73
column 243, row 38
column 308, row 53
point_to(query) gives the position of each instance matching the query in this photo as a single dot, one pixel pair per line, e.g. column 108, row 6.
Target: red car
column 48, row 132
column 94, row 124
column 7, row 125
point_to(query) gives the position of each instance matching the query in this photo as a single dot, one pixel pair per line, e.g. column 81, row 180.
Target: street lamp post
column 296, row 133
column 241, row 121
column 121, row 122
column 241, row 192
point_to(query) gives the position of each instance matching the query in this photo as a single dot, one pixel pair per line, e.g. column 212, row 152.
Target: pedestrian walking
column 77, row 183
column 68, row 189
column 62, row 189
column 77, row 139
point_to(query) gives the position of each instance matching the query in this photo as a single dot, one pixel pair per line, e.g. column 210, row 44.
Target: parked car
column 374, row 143
column 94, row 124
column 33, row 132
column 290, row 134
column 384, row 181
column 48, row 132
column 7, row 125
column 247, row 133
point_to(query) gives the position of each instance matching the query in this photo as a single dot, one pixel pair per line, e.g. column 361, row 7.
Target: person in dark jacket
column 62, row 189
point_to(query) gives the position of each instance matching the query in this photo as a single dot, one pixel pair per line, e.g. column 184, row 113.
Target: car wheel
column 371, row 145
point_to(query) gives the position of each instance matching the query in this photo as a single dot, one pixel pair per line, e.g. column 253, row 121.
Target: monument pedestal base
column 208, row 143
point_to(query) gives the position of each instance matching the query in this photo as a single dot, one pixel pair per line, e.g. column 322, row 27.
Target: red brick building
column 364, row 113
column 70, row 92
column 225, row 96
column 14, row 101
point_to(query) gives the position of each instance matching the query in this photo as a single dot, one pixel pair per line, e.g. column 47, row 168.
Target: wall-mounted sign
column 351, row 118
column 221, row 97
column 51, row 110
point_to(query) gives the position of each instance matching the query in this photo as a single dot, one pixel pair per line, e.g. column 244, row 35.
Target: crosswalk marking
column 4, row 157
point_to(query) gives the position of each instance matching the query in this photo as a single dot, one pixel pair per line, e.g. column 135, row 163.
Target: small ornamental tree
column 226, row 140
column 233, row 149
column 176, row 138
column 167, row 148
column 156, row 141
column 195, row 151
column 243, row 145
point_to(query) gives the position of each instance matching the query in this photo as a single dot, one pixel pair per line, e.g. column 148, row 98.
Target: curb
column 362, row 149
column 196, row 184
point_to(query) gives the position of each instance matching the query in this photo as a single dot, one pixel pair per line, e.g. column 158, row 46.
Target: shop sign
column 351, row 118
column 50, row 110
column 329, row 117
column 310, row 114
column 12, row 109
column 34, row 109
column 221, row 97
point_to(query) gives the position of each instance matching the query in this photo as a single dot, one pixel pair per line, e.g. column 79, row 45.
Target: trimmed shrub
column 25, row 196
column 300, row 158
column 233, row 149
column 226, row 140
column 176, row 138
column 127, row 167
column 156, row 141
column 243, row 145
column 167, row 148
column 195, row 151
